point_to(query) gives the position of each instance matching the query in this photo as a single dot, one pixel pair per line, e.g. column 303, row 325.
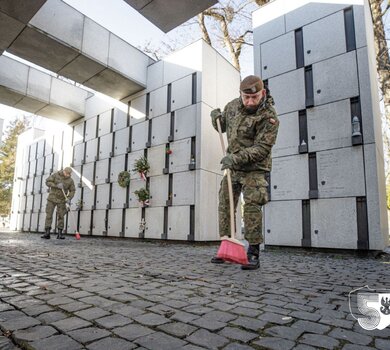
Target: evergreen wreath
column 141, row 166
column 142, row 194
column 124, row 178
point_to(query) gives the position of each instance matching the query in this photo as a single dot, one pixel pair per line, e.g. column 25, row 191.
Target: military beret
column 251, row 84
column 68, row 170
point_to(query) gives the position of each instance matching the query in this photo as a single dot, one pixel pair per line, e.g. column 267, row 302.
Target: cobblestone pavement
column 111, row 294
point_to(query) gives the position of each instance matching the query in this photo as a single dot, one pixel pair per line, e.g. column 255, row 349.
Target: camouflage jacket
column 250, row 136
column 56, row 194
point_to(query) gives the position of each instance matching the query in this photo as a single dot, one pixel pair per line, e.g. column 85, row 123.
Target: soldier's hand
column 60, row 186
column 67, row 205
column 227, row 162
column 215, row 113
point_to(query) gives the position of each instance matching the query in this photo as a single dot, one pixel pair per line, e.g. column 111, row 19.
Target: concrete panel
column 76, row 200
column 26, row 222
column 180, row 156
column 139, row 136
column 178, row 222
column 154, row 218
column 296, row 184
column 185, row 122
column 283, row 223
column 57, row 157
column 76, row 174
column 67, row 156
column 67, row 138
column 41, row 222
column 120, row 119
column 161, row 129
column 101, row 172
column 105, row 146
column 90, row 129
column 49, row 144
column 329, row 126
column 134, row 186
column 45, row 194
column 333, row 223
column 49, row 164
column 95, row 41
column 40, row 166
column 78, row 133
column 156, row 158
column 114, row 226
column 37, row 184
column 265, row 31
column 85, row 222
column 88, row 174
column 155, row 75
column 181, row 93
column 287, row 141
column 75, row 97
column 13, row 74
column 117, row 165
column 158, row 102
column 121, row 141
column 324, row 38
column 99, row 223
column 137, row 109
column 288, row 90
column 91, row 151
column 278, row 56
column 158, row 187
column 335, row 79
column 33, row 152
column 10, row 28
column 183, row 188
column 103, row 196
column 34, row 222
column 132, row 220
column 341, row 173
column 95, row 105
column 88, row 198
column 71, row 227
column 39, row 85
column 78, row 154
column 208, row 76
column 118, row 196
column 360, row 26
column 37, row 202
column 309, row 13
column 105, row 123
column 33, row 167
column 29, row 203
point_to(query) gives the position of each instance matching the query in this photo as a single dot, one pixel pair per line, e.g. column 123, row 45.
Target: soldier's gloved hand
column 67, row 205
column 60, row 186
column 215, row 113
column 227, row 162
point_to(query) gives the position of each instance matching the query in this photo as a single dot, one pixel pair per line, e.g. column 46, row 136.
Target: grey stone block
column 307, row 326
column 274, row 318
column 305, row 315
column 111, row 344
column 71, row 323
column 113, row 321
column 92, row 313
column 35, row 333
column 249, row 323
column 184, row 316
column 351, row 336
column 382, row 344
column 160, row 341
column 56, row 342
column 132, row 331
column 19, row 323
column 238, row 334
column 207, row 339
column 321, row 341
column 89, row 334
column 50, row 317
column 178, row 329
column 211, row 325
column 151, row 319
column 284, row 332
column 236, row 346
column 275, row 343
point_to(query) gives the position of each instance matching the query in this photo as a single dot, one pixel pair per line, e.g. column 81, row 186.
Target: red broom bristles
column 232, row 250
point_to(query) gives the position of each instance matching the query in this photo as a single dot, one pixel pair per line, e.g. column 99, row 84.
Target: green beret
column 251, row 84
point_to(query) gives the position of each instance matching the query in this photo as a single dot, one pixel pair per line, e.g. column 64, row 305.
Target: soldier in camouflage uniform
column 251, row 125
column 59, row 183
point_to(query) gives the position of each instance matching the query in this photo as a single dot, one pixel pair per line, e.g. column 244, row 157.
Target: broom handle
column 229, row 181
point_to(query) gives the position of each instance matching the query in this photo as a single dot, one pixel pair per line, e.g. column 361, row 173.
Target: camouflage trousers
column 254, row 188
column 61, row 211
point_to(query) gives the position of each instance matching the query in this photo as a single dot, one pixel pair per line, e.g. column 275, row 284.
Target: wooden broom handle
column 229, row 181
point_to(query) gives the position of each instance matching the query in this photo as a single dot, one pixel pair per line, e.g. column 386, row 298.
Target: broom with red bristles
column 77, row 233
column 231, row 249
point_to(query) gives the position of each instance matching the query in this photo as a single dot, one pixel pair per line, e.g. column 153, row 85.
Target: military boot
column 47, row 234
column 60, row 235
column 216, row 260
column 253, row 258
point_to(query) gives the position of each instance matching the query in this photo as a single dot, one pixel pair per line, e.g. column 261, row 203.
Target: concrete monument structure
column 327, row 185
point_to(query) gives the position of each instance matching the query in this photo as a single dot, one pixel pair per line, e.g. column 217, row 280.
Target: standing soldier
column 60, row 184
column 251, row 125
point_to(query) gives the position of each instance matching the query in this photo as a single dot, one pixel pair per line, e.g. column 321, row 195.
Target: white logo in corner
column 371, row 308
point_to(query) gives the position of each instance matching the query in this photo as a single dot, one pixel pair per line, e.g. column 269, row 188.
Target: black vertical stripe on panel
column 97, row 126
column 84, row 130
column 78, row 221
column 112, row 152
column 192, row 165
column 130, row 139
column 165, row 228
column 299, row 55
column 170, row 190
column 112, row 120
column 166, row 167
column 128, row 186
column 98, row 149
column 306, row 224
column 191, row 236
column 149, row 143
column 128, row 114
column 44, row 165
column 94, row 197
column 309, row 88
column 362, row 223
column 108, row 206
column 91, row 223
column 108, row 175
column 303, row 146
column 194, row 88
column 349, row 26
column 356, row 112
column 142, row 232
column 105, row 223
column 122, row 233
column 169, row 98
column 268, row 179
column 171, row 136
column 313, row 182
column 147, row 105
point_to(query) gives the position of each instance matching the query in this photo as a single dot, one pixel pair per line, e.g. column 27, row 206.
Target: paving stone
column 382, row 344
column 178, row 329
column 274, row 318
column 319, row 341
column 56, row 342
column 249, row 323
column 86, row 335
column 71, row 323
column 151, row 319
column 177, row 304
column 198, row 310
column 275, row 343
column 221, row 306
column 98, row 301
column 9, row 315
column 34, row 333
column 303, row 347
column 305, row 316
column 246, row 311
column 113, row 321
column 5, row 307
column 192, row 347
column 236, row 346
column 182, row 316
column 6, row 344
column 358, row 347
column 351, row 336
column 79, row 294
column 211, row 325
column 111, row 344
column 92, row 313
column 284, row 332
column 237, row 334
column 311, row 327
column 207, row 339
column 160, row 341
column 37, row 309
column 50, row 317
column 60, row 300
column 19, row 323
column 128, row 310
column 132, row 331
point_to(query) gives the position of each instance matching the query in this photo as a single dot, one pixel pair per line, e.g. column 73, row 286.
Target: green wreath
column 142, row 194
column 124, row 178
